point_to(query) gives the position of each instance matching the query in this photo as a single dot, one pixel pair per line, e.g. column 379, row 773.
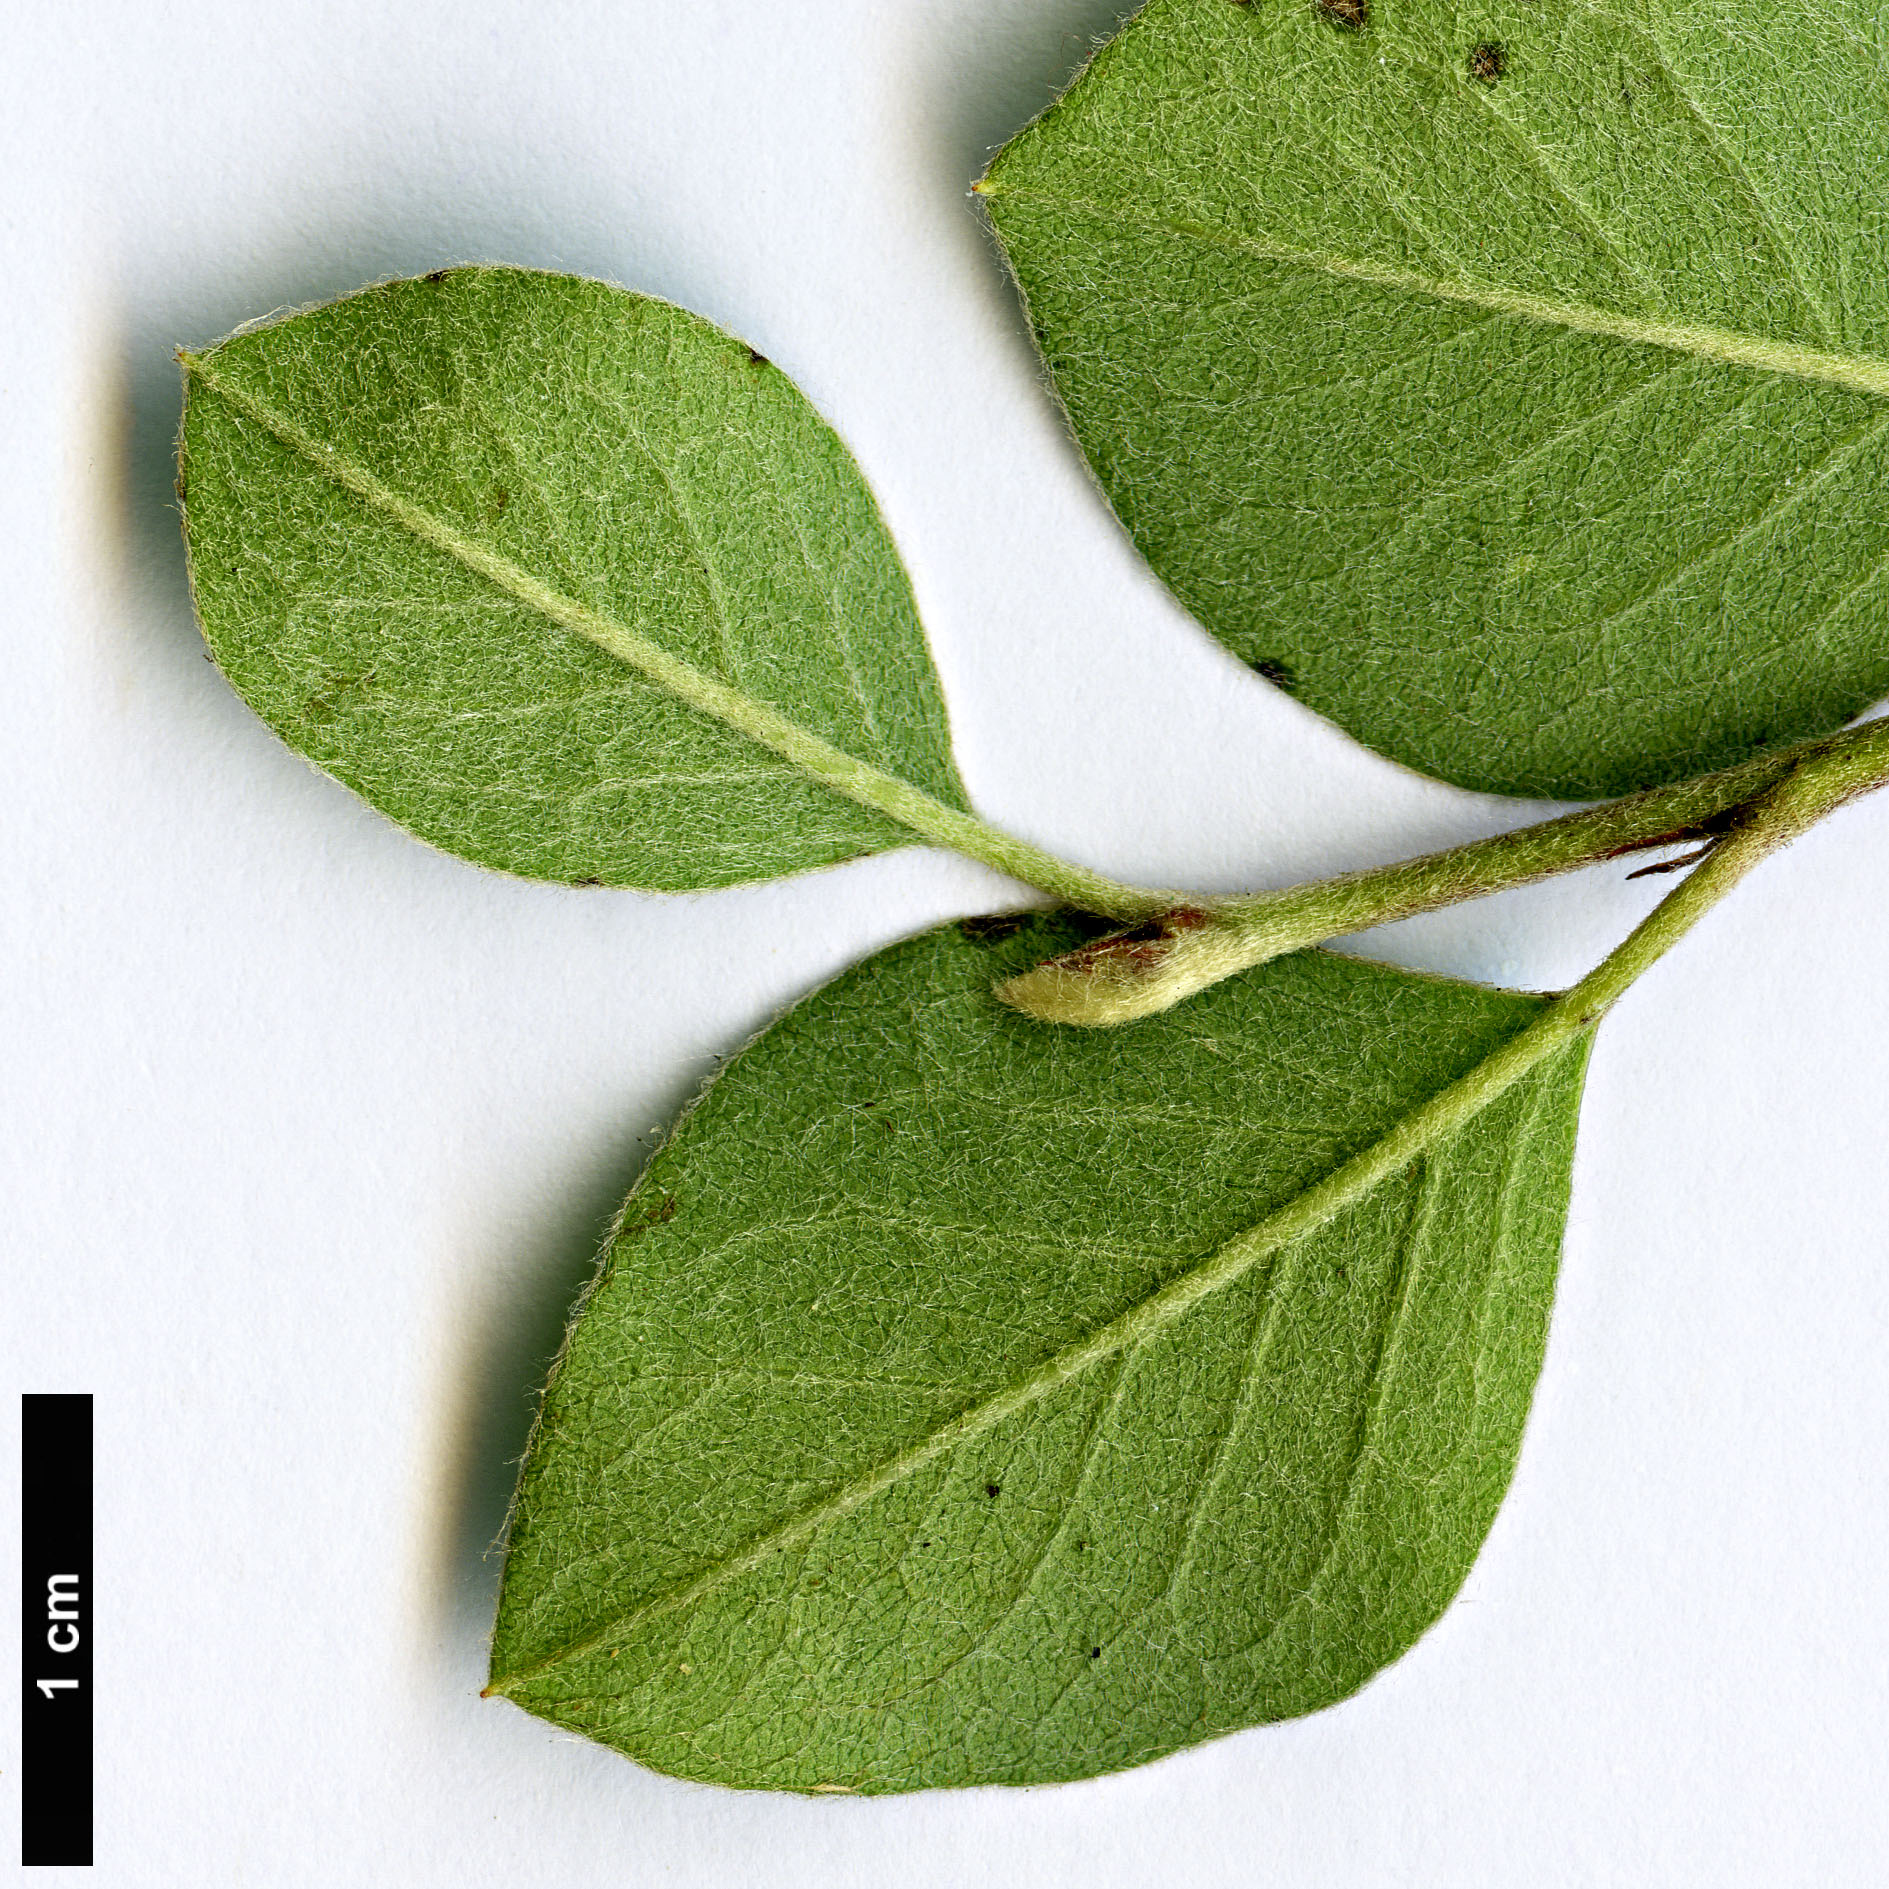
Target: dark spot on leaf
column 993, row 927
column 1279, row 674
column 501, row 497
column 591, row 881
column 1488, row 61
column 1353, row 15
column 1095, row 1652
column 320, row 710
column 756, row 358
column 993, row 1490
column 437, row 275
column 657, row 1216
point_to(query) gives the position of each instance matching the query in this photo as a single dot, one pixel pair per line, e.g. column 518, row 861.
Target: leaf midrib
column 1421, row 1128
column 822, row 761
column 708, row 694
column 1864, row 374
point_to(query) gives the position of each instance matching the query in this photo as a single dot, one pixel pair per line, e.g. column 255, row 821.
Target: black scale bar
column 56, row 1631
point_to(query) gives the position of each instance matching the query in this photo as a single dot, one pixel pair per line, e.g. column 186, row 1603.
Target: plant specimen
column 1068, row 1337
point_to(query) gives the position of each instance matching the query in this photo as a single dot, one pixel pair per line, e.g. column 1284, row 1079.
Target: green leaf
column 1509, row 381
column 963, row 1401
column 564, row 579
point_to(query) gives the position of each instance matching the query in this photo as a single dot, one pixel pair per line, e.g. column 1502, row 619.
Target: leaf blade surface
column 1534, row 428
column 563, row 578
column 909, row 1251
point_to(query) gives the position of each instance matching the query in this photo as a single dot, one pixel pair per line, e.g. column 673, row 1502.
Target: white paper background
column 310, row 1131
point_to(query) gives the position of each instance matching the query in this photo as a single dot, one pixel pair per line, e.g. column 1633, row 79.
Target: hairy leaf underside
column 918, row 1432
column 427, row 522
column 1509, row 380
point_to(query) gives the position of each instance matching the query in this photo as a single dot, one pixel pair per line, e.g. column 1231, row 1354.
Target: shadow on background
column 1013, row 69
column 491, row 1401
column 1003, row 72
